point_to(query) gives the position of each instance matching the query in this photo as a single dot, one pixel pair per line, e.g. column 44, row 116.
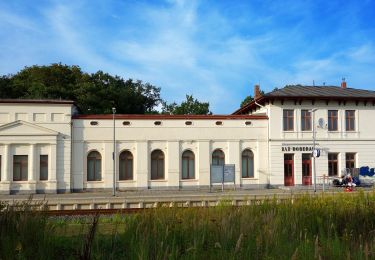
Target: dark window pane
column 157, row 165
column 44, row 167
column 288, row 119
column 188, row 164
column 218, row 157
column 332, row 120
column 350, row 160
column 94, row 166
column 305, row 120
column 20, row 167
column 349, row 120
column 247, row 164
column 191, row 169
column 126, row 166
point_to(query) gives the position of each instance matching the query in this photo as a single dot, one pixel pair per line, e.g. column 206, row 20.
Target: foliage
column 249, row 98
column 302, row 227
column 190, row 106
column 246, row 101
column 94, row 93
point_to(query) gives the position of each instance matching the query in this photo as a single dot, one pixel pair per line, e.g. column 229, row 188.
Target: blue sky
column 215, row 50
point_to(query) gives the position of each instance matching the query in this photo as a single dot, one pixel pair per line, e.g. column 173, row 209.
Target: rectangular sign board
column 217, row 173
column 229, row 170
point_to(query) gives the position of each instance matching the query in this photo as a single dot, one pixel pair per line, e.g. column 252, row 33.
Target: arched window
column 247, row 164
column 94, row 166
column 126, row 166
column 188, row 165
column 157, row 165
column 218, row 157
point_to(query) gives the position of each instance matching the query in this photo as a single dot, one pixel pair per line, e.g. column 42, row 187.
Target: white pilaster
column 204, row 163
column 234, row 158
column 32, row 171
column 173, row 160
column 52, row 163
column 142, row 163
column 5, row 174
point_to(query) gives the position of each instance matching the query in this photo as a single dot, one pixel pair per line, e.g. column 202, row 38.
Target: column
column 204, row 163
column 142, row 165
column 234, row 158
column 52, row 163
column 173, row 160
column 107, row 165
column 52, row 168
column 31, row 172
column 5, row 174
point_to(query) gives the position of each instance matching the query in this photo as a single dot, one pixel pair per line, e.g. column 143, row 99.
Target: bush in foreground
column 327, row 227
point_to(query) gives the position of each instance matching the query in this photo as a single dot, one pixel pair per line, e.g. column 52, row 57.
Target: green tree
column 247, row 100
column 190, row 106
column 5, row 87
column 93, row 93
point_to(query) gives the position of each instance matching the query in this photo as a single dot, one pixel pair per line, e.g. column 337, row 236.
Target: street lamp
column 114, row 152
column 313, row 127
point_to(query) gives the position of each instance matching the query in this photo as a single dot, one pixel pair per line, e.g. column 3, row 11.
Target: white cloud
column 188, row 47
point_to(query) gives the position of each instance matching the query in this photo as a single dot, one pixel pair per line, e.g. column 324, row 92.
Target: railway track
column 88, row 212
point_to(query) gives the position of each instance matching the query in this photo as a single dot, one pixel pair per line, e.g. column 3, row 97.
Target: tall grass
column 319, row 227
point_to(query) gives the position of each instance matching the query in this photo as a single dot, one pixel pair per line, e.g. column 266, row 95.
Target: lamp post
column 114, row 151
column 313, row 128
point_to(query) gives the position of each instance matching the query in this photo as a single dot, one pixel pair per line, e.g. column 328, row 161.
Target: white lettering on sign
column 297, row 149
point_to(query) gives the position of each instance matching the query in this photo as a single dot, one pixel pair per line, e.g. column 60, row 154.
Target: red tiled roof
column 171, row 117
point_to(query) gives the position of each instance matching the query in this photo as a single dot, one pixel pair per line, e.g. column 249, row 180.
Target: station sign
column 297, row 149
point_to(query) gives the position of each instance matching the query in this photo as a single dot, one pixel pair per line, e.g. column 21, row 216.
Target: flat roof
column 37, row 101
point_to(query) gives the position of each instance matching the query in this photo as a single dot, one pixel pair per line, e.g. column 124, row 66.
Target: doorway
column 289, row 169
column 306, row 169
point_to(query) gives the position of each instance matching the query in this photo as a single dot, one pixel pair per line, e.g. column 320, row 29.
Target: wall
column 361, row 141
column 35, row 129
column 173, row 137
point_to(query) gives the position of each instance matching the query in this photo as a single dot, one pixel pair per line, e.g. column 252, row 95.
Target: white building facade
column 344, row 129
column 47, row 147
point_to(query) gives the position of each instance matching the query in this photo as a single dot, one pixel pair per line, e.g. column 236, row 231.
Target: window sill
column 249, row 178
column 94, row 181
column 126, row 181
column 161, row 180
column 188, row 180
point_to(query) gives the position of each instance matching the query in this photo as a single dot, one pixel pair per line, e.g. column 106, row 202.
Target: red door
column 306, row 169
column 288, row 170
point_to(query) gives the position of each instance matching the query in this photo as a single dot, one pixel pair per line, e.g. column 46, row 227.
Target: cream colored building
column 46, row 146
column 35, row 139
column 344, row 126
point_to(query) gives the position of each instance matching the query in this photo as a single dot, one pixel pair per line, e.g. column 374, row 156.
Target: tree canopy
column 190, row 106
column 93, row 93
column 247, row 100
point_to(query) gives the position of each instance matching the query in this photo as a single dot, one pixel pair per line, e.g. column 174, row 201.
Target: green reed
column 303, row 227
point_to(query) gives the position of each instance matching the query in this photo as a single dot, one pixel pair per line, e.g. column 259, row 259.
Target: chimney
column 257, row 92
column 343, row 83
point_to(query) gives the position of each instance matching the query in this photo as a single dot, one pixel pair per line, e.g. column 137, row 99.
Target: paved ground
column 166, row 194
